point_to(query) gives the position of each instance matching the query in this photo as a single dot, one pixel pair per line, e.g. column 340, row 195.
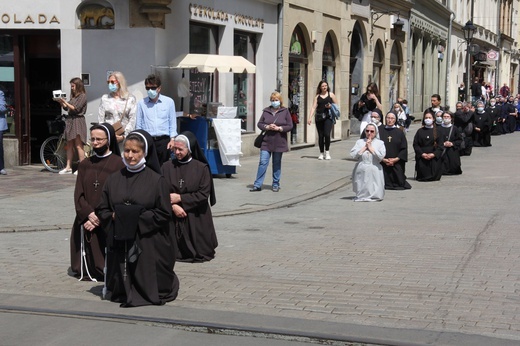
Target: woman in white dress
column 368, row 180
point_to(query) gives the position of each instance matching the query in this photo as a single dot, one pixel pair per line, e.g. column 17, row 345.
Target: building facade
column 411, row 49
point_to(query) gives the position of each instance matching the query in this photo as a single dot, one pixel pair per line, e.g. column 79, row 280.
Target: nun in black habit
column 191, row 196
column 92, row 174
column 136, row 214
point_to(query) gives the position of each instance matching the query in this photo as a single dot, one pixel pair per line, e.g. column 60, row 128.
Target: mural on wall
column 96, row 16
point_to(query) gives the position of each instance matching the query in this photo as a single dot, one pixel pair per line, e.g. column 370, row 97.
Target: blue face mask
column 112, row 87
column 275, row 104
column 152, row 93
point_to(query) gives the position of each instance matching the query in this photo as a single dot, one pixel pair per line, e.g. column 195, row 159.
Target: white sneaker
column 76, row 173
column 327, row 155
column 320, row 157
column 65, row 171
column 3, row 172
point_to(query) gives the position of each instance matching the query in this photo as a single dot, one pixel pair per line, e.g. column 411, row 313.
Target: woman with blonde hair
column 276, row 121
column 118, row 107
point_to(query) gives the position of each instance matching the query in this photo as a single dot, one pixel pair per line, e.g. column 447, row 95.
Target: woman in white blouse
column 118, row 105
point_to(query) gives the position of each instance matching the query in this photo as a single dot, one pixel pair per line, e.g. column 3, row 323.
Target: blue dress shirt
column 157, row 118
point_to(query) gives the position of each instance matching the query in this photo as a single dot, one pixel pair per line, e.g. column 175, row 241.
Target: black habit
column 450, row 156
column 196, row 237
column 396, row 146
column 140, row 271
column 425, row 141
column 92, row 174
column 483, row 122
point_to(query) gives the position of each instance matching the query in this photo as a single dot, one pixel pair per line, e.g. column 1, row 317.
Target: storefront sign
column 210, row 13
column 40, row 18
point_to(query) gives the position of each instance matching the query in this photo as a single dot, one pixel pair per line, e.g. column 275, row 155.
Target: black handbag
column 259, row 139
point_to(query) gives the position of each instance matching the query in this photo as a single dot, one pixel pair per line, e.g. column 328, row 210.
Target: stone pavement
column 434, row 265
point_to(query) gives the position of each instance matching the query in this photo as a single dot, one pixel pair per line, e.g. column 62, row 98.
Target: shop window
column 378, row 62
column 95, row 14
column 7, row 79
column 329, row 62
column 203, row 40
column 297, row 85
column 395, row 69
column 244, row 83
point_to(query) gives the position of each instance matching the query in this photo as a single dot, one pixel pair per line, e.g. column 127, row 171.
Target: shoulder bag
column 118, row 127
column 260, row 138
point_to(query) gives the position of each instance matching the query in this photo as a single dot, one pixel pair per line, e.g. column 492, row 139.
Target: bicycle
column 53, row 152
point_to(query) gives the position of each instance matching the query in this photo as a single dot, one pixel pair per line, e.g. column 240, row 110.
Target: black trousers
column 161, row 147
column 324, row 128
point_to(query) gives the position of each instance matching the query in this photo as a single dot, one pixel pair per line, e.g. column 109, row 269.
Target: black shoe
column 255, row 189
column 276, row 188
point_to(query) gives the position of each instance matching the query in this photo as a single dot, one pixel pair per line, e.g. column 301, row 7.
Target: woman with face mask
column 92, row 174
column 451, row 139
column 276, row 121
column 118, row 107
column 428, row 151
column 481, row 127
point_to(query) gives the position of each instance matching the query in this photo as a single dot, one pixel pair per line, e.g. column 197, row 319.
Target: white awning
column 209, row 63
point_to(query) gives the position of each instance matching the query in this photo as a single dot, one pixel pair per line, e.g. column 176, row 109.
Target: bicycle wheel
column 53, row 154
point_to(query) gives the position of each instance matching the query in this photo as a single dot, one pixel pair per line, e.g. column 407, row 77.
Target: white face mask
column 438, row 120
column 447, row 121
column 374, row 120
column 436, row 109
column 428, row 121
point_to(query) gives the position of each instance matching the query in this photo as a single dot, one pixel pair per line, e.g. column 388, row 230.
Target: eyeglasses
column 111, row 82
column 151, row 88
column 370, row 131
column 97, row 139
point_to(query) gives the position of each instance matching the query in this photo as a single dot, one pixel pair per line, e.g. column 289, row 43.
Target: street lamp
column 398, row 25
column 469, row 29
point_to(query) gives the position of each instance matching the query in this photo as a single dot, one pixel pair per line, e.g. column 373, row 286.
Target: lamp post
column 469, row 29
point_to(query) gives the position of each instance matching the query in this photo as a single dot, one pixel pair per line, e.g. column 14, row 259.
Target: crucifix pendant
column 96, row 184
column 389, row 139
column 181, row 181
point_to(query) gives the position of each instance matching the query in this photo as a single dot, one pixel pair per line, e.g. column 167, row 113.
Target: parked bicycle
column 53, row 152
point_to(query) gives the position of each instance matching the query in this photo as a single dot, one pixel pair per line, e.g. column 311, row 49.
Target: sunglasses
column 370, row 131
column 151, row 88
column 111, row 82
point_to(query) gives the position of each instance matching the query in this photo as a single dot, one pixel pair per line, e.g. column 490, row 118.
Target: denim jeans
column 2, row 166
column 262, row 168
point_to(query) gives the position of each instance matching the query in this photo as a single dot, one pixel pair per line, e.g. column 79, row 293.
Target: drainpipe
column 448, row 60
column 279, row 75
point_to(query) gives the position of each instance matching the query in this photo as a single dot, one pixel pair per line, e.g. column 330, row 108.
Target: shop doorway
column 31, row 70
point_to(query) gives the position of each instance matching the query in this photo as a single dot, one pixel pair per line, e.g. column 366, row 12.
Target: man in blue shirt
column 156, row 115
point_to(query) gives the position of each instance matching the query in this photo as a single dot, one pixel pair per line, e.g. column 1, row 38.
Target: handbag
column 118, row 127
column 359, row 112
column 259, row 139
